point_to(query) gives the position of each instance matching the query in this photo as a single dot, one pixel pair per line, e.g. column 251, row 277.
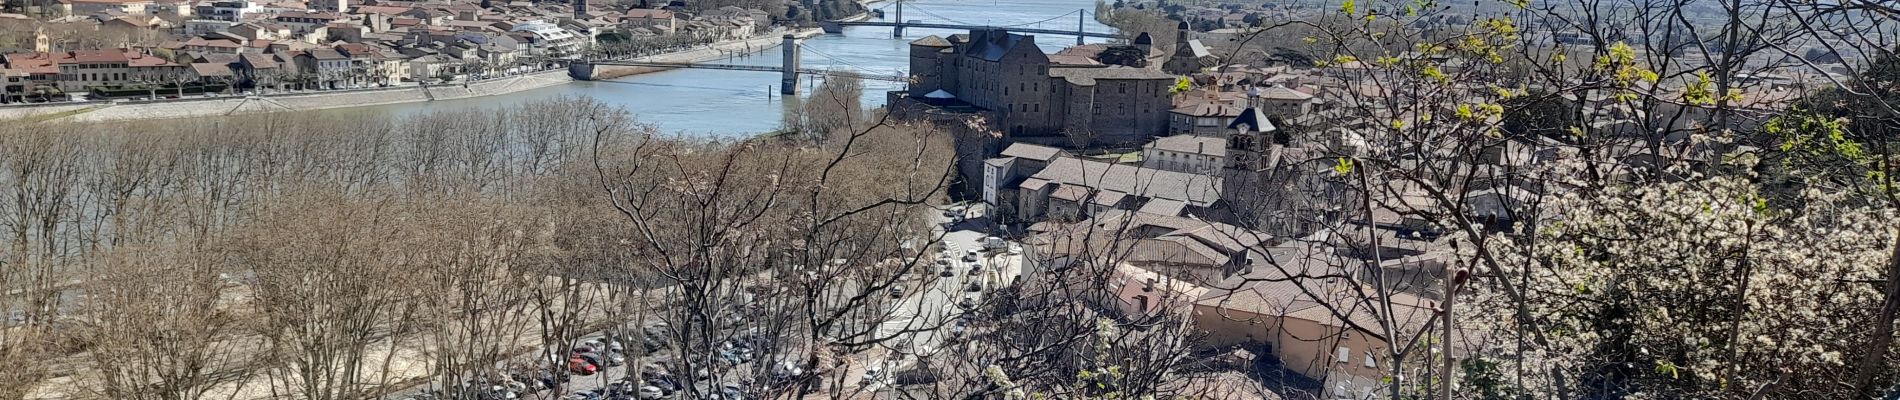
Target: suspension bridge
column 788, row 69
column 898, row 24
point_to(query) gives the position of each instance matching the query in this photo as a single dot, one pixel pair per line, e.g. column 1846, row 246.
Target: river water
column 741, row 103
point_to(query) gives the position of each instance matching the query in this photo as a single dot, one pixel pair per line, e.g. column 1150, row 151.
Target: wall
column 1302, row 346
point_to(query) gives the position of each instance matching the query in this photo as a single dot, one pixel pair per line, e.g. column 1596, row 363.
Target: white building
column 551, row 40
column 229, row 11
column 1186, row 153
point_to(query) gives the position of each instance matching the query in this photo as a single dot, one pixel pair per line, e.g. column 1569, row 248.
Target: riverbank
column 93, row 111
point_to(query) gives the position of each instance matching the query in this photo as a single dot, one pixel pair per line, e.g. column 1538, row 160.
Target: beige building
column 661, row 21
column 80, row 70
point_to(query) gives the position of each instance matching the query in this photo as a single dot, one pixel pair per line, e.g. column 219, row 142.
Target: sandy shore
column 703, row 54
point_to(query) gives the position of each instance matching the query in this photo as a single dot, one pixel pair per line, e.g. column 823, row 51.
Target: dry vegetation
column 308, row 256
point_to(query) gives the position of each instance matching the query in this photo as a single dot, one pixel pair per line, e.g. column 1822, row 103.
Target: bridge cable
column 840, row 60
column 836, row 59
column 927, row 12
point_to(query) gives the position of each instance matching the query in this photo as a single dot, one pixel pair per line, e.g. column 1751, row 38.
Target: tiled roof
column 1191, row 144
column 1193, row 189
column 259, row 61
column 1031, row 151
column 326, row 54
column 1207, row 108
column 1114, row 72
column 314, row 15
column 931, row 41
column 96, row 56
column 1277, row 92
column 1071, row 59
column 649, row 13
column 211, row 69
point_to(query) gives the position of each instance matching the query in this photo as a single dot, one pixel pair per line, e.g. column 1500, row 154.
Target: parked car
column 971, row 255
column 581, row 367
column 897, row 292
column 994, row 243
column 651, row 392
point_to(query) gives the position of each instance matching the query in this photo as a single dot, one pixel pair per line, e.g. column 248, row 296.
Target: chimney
column 1200, row 147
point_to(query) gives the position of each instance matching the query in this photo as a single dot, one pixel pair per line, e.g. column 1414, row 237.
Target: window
column 1345, row 355
column 1369, row 361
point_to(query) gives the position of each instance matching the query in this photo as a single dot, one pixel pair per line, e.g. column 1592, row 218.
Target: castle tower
column 926, row 73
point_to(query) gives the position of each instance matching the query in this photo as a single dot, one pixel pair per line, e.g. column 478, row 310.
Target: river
column 742, row 103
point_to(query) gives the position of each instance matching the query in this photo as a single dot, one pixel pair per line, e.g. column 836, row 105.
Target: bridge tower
column 788, row 78
column 1081, row 26
column 897, row 31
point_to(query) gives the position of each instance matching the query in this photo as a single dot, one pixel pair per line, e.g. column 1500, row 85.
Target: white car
column 971, row 255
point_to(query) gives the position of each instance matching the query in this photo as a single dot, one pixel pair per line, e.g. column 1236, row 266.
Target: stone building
column 1031, row 99
column 1189, row 56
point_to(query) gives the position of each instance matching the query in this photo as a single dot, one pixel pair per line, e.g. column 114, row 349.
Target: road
column 930, row 300
column 936, row 303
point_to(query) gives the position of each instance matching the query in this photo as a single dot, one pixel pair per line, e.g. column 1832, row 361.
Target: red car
column 581, row 366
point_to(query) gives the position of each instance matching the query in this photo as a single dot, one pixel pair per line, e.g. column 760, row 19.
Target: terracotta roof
column 221, row 43
column 140, row 60
column 260, row 61
column 931, row 41
column 96, row 56
column 211, row 69
column 32, row 63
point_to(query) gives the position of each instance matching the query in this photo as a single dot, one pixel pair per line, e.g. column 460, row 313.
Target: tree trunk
column 1883, row 326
